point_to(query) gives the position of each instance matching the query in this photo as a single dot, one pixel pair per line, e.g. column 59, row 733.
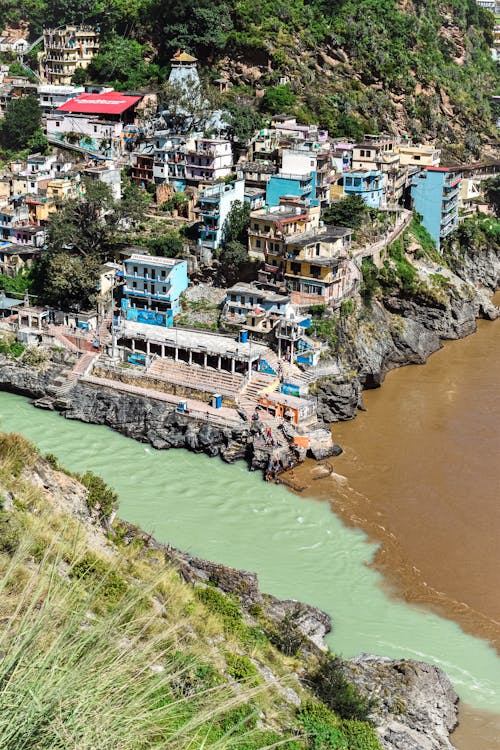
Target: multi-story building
column 214, row 206
column 257, row 173
column 152, row 289
column 289, row 127
column 368, row 184
column 209, row 160
column 418, row 156
column 244, row 301
column 435, row 195
column 379, row 152
column 51, row 97
column 142, row 166
column 316, row 266
column 107, row 173
column 300, row 185
column 269, row 227
column 310, row 156
column 264, row 146
column 66, row 49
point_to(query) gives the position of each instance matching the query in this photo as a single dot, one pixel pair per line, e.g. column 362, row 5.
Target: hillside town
column 229, row 341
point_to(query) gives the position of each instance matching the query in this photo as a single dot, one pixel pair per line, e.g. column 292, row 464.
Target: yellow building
column 65, row 50
column 270, row 226
column 60, row 189
column 419, row 156
column 39, row 209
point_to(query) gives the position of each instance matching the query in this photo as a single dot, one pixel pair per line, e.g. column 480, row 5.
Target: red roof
column 112, row 103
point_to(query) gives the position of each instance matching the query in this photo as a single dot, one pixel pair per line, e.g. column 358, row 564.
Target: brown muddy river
column 420, row 474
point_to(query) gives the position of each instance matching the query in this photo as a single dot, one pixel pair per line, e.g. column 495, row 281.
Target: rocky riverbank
column 395, row 328
column 415, row 706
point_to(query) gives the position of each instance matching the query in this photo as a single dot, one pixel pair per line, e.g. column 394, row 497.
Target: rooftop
column 266, row 167
column 278, row 213
column 109, row 103
column 153, row 260
column 183, row 57
column 243, row 288
column 322, row 234
column 196, row 340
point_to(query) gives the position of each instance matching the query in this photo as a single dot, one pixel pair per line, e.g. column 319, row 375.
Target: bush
column 321, row 727
column 360, row 735
column 110, row 585
column 100, row 497
column 369, row 285
column 286, row 635
column 220, row 604
column 278, row 99
column 10, row 533
column 241, row 668
column 332, row 687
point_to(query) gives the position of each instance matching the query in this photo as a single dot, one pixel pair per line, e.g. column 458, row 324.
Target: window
column 164, row 289
column 368, row 153
column 58, row 124
column 95, row 128
column 315, row 272
column 417, row 157
column 134, row 285
column 257, row 243
column 153, row 273
column 362, row 152
column 318, row 249
column 135, row 269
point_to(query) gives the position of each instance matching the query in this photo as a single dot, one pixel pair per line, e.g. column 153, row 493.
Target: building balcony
column 131, row 293
column 445, row 231
column 448, row 196
column 147, row 277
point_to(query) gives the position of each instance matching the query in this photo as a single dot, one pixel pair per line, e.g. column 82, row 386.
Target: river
column 296, row 545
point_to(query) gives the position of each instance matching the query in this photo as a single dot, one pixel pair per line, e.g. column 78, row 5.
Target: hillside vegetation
column 104, row 645
column 416, row 66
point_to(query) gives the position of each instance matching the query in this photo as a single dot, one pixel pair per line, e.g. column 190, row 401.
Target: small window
column 135, row 269
column 95, row 128
column 58, row 124
column 134, row 285
column 417, row 157
column 257, row 243
column 164, row 289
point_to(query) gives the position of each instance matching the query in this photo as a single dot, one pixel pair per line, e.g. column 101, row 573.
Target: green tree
column 122, row 62
column 232, row 257
column 347, row 212
column 186, row 108
column 66, row 281
column 202, row 26
column 168, row 245
column 79, row 77
column 278, row 99
column 492, row 192
column 237, row 223
column 22, row 120
column 332, row 687
column 243, row 121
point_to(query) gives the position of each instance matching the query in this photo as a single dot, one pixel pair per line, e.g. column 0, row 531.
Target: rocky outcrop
column 416, row 705
column 397, row 330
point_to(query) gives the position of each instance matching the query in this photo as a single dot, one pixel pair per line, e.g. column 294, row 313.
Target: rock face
column 398, row 331
column 416, row 703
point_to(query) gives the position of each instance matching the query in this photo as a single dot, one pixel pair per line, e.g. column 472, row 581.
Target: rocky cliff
column 395, row 329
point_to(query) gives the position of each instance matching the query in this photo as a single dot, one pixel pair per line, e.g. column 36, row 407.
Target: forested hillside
column 354, row 66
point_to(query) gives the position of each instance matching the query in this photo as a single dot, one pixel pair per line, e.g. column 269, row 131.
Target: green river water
column 297, row 546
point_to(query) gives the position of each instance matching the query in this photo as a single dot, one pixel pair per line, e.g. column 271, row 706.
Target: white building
column 107, row 173
column 51, row 97
column 209, row 160
column 66, row 49
column 214, row 206
column 88, row 131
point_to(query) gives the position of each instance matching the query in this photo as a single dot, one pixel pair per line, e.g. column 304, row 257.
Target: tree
column 330, row 684
column 22, row 120
column 168, row 245
column 79, row 77
column 67, row 281
column 121, row 61
column 186, row 107
column 233, row 256
column 492, row 193
column 243, row 121
column 278, row 99
column 237, row 223
column 199, row 25
column 348, row 212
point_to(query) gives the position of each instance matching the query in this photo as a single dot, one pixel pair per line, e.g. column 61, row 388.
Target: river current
column 296, row 545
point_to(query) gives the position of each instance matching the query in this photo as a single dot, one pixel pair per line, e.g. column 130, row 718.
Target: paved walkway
column 389, row 239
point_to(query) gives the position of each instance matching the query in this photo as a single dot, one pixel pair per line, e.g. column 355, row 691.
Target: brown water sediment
column 420, row 474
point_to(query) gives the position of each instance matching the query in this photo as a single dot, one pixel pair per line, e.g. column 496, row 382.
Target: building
column 142, row 166
column 214, row 206
column 264, row 146
column 183, row 72
column 94, row 122
column 152, row 289
column 418, row 156
column 66, row 49
column 17, row 257
column 285, row 185
column 289, row 127
column 208, row 160
column 13, row 217
column 316, row 266
column 107, row 173
column 270, row 226
column 380, row 153
column 51, row 97
column 310, row 156
column 368, row 184
column 257, row 173
column 435, row 195
column 246, row 302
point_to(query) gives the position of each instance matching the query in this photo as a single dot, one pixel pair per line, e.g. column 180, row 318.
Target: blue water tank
column 243, row 337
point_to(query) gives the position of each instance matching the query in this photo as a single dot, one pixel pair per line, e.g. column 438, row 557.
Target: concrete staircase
column 82, row 367
column 259, row 384
column 199, row 378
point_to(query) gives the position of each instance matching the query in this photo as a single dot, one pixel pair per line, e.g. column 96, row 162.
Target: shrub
column 108, row 582
column 241, row 668
column 360, row 735
column 332, row 687
column 10, row 534
column 220, row 604
column 370, row 279
column 286, row 635
column 322, row 727
column 100, row 497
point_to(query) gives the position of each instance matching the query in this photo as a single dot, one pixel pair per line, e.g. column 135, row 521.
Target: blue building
column 301, row 186
column 152, row 289
column 368, row 184
column 435, row 194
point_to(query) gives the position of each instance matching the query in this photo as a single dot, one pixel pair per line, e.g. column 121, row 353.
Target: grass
column 104, row 645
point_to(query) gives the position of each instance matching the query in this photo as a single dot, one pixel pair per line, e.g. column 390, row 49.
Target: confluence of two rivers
column 419, row 473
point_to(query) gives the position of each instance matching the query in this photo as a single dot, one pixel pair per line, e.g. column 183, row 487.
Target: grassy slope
column 103, row 645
